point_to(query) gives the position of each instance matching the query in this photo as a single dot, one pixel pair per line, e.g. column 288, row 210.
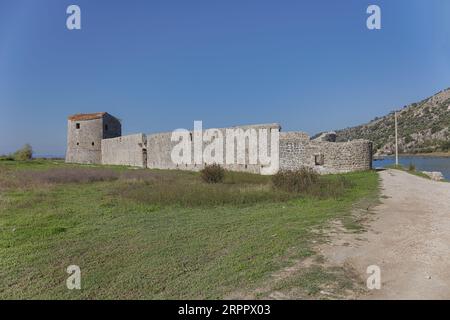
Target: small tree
column 23, row 154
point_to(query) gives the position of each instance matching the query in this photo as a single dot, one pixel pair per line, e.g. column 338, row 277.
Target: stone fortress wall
column 296, row 149
column 129, row 150
column 160, row 146
column 325, row 156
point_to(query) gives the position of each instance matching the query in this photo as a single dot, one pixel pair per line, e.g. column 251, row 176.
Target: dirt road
column 408, row 238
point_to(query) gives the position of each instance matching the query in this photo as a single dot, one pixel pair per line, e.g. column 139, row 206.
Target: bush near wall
column 213, row 173
column 23, row 154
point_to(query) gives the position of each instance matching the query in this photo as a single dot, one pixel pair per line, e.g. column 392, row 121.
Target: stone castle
column 96, row 138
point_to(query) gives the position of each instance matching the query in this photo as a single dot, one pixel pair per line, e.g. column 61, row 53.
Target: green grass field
column 153, row 234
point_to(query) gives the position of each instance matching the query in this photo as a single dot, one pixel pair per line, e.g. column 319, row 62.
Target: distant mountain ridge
column 423, row 127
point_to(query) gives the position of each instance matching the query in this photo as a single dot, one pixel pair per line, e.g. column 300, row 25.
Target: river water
column 428, row 163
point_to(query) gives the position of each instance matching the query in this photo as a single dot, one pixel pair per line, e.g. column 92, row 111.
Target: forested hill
column 422, row 127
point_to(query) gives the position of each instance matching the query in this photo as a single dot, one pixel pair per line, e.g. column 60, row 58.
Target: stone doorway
column 144, row 158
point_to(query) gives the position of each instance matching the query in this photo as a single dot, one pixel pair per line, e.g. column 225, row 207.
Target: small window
column 77, row 126
column 318, row 159
column 190, row 135
column 78, row 143
column 106, row 127
column 92, row 143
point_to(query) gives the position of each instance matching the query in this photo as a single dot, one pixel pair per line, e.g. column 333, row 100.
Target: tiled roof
column 86, row 116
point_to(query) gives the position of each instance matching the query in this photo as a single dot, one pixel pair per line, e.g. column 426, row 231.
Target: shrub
column 213, row 173
column 408, row 139
column 23, row 154
column 411, row 167
column 299, row 181
column 445, row 145
column 435, row 128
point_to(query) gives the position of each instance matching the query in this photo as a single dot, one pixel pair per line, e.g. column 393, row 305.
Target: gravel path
column 409, row 239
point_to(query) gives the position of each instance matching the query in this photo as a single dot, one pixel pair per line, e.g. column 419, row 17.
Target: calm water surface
column 441, row 164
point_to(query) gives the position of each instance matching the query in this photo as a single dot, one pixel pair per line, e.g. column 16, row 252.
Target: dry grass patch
column 196, row 193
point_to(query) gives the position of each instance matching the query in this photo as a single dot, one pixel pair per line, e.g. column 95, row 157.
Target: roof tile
column 86, row 116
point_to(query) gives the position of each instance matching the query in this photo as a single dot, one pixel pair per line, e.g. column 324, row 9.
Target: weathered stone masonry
column 325, row 156
column 127, row 150
column 160, row 146
column 96, row 138
column 85, row 133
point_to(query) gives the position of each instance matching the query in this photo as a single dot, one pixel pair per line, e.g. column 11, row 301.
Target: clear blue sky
column 160, row 65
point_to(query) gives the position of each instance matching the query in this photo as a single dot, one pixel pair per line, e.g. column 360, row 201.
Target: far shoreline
column 430, row 154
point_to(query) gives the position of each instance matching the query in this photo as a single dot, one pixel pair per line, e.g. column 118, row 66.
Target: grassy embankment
column 444, row 154
column 161, row 234
column 410, row 169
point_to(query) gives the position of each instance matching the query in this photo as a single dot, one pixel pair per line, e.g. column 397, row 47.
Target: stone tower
column 85, row 133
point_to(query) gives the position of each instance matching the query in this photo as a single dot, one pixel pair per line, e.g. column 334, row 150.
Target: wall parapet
column 326, row 157
column 130, row 150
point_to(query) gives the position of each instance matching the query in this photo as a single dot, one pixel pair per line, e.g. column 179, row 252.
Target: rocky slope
column 422, row 127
